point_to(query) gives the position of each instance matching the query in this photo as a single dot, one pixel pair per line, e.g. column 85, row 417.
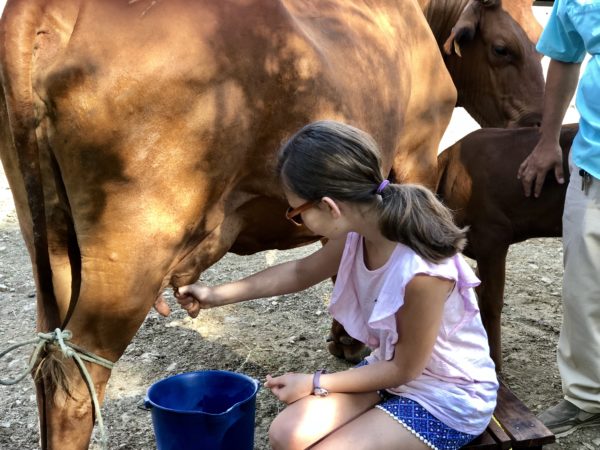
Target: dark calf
column 477, row 179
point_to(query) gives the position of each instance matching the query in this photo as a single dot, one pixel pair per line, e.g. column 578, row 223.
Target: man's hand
column 533, row 170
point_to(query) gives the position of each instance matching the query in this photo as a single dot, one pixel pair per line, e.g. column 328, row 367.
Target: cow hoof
column 335, row 349
column 354, row 353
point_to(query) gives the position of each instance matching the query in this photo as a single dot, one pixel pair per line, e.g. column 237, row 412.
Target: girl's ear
column 333, row 207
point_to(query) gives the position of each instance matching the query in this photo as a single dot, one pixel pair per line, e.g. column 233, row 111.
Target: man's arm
column 561, row 83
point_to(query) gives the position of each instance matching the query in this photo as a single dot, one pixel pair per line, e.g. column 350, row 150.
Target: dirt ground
column 272, row 335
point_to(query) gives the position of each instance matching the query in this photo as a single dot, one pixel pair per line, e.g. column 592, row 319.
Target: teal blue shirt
column 572, row 31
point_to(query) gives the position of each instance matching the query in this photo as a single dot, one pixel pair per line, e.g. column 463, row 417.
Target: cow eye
column 500, row 50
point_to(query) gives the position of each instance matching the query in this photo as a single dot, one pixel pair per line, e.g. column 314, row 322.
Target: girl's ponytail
column 412, row 215
column 332, row 159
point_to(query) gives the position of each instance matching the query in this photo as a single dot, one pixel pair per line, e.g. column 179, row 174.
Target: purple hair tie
column 382, row 186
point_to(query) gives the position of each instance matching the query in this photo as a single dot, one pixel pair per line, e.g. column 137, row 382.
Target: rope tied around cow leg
column 61, row 339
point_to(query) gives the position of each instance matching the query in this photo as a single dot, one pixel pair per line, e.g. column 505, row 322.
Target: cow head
column 491, row 56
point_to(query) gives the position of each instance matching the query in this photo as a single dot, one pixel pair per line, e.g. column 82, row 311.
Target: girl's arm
column 418, row 323
column 292, row 276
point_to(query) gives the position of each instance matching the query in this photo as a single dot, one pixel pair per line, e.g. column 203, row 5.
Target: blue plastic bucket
column 209, row 410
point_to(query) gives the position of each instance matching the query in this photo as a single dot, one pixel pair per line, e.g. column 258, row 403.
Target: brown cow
column 478, row 180
column 488, row 48
column 139, row 141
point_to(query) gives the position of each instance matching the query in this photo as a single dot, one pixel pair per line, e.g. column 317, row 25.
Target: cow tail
column 18, row 31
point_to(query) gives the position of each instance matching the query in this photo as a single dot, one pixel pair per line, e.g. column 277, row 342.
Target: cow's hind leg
column 344, row 346
column 67, row 412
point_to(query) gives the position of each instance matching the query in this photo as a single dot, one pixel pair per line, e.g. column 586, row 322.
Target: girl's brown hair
column 332, row 159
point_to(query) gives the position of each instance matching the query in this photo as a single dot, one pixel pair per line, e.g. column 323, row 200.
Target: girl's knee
column 283, row 433
column 278, row 431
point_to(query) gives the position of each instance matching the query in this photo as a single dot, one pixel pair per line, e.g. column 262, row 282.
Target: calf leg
column 491, row 268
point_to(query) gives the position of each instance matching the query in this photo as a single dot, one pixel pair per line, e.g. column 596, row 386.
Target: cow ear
column 465, row 27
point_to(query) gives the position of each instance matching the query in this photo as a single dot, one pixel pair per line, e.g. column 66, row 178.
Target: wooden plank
column 493, row 437
column 487, row 441
column 524, row 429
column 483, row 441
column 504, row 441
column 515, row 426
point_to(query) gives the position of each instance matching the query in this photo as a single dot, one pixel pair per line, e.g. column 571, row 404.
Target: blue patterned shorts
column 421, row 422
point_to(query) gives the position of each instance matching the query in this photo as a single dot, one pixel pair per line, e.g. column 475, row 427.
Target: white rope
column 61, row 339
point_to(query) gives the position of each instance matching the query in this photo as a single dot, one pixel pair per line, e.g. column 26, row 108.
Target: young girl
column 401, row 288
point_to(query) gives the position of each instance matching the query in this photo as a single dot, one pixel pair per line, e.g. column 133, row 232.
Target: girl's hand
column 290, row 387
column 195, row 297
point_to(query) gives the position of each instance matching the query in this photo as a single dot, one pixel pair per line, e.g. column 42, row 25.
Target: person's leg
column 306, row 421
column 579, row 342
column 374, row 429
column 396, row 422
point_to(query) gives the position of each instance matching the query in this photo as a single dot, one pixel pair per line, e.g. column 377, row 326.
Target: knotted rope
column 60, row 338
